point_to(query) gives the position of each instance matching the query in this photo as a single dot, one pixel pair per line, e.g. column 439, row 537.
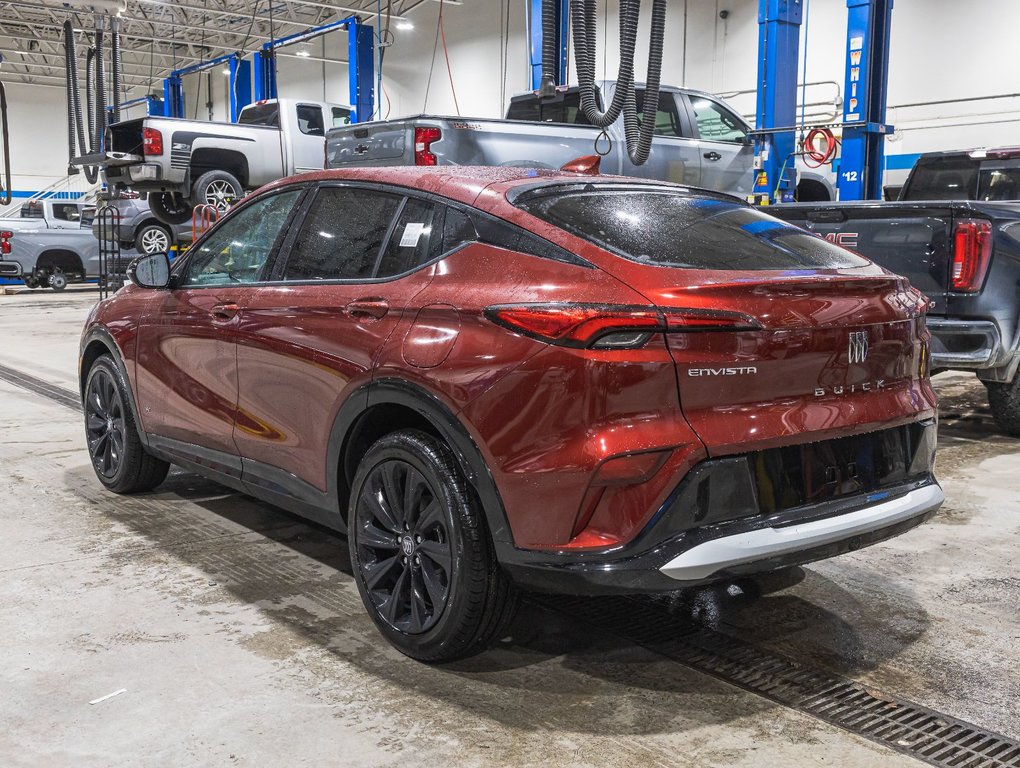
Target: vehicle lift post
column 239, row 88
column 360, row 58
column 775, row 171
column 535, row 41
column 864, row 108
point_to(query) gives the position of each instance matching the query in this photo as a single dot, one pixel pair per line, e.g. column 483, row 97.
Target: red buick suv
column 492, row 379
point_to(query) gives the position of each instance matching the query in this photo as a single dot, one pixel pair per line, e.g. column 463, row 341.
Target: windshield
column 669, row 229
column 564, row 108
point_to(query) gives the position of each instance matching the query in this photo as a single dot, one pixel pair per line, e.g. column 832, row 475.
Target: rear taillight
column 972, row 250
column 423, row 138
column 5, row 242
column 152, row 142
column 600, row 326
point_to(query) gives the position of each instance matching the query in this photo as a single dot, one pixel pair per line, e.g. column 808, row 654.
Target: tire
column 1004, row 400
column 217, row 188
column 429, row 580
column 152, row 238
column 58, row 280
column 119, row 459
column 170, row 207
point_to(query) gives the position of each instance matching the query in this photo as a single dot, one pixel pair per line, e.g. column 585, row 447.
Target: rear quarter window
column 666, row 229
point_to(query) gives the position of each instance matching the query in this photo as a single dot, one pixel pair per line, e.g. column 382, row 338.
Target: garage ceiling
column 158, row 36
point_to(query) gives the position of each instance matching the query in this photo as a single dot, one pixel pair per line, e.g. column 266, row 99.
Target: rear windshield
column 566, row 108
column 31, row 211
column 667, row 229
column 261, row 114
column 964, row 178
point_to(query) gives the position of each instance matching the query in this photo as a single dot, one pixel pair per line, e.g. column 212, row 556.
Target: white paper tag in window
column 412, row 234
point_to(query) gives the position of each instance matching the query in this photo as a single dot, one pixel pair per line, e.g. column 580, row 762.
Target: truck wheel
column 1005, row 402
column 152, row 238
column 31, row 282
column 217, row 188
column 58, row 280
column 421, row 553
column 170, row 207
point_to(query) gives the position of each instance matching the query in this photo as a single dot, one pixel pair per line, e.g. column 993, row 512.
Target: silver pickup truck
column 181, row 163
column 699, row 140
column 44, row 214
column 49, row 258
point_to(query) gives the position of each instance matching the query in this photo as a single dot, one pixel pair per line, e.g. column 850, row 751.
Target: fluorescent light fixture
column 404, row 25
column 303, row 54
column 226, row 71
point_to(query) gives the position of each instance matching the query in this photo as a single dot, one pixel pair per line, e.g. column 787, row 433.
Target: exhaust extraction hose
column 116, row 63
column 97, row 141
column 583, row 17
column 550, row 59
column 75, row 127
column 90, row 77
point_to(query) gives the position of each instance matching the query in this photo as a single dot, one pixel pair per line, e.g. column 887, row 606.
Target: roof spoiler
column 587, row 165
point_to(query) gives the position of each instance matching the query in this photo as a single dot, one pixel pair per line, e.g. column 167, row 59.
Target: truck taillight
column 152, row 142
column 423, row 138
column 972, row 250
column 5, row 242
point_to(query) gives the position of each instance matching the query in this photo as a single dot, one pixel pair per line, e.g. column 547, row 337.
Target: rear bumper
column 756, row 512
column 964, row 343
column 10, row 269
column 766, row 545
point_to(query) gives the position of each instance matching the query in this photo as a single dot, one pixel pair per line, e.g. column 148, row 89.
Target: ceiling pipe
column 97, row 6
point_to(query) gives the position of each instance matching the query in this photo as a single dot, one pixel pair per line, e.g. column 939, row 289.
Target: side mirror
column 150, row 271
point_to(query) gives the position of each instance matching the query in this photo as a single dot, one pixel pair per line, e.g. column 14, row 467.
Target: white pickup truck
column 183, row 163
column 44, row 214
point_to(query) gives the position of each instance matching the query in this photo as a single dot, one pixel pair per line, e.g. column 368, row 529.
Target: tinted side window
column 66, row 212
column 715, row 122
column 238, row 250
column 341, row 116
column 457, row 229
column 261, row 114
column 667, row 116
column 341, row 236
column 667, row 229
column 309, row 119
column 415, row 238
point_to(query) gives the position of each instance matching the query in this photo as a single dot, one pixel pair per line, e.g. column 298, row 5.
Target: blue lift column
column 775, row 174
column 240, row 85
column 360, row 64
column 864, row 108
column 535, row 38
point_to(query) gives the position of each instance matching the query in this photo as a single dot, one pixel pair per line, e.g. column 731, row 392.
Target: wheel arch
column 205, row 159
column 62, row 258
column 99, row 342
column 387, row 405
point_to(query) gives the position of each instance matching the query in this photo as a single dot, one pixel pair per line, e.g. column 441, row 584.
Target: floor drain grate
column 57, row 394
column 902, row 725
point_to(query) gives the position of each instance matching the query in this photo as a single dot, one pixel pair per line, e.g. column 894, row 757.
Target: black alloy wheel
column 104, row 424
column 121, row 462
column 423, row 560
column 404, row 549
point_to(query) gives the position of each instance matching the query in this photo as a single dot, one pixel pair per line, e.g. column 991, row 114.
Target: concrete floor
column 239, row 638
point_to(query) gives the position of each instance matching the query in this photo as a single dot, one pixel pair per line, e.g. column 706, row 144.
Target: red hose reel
column 820, row 147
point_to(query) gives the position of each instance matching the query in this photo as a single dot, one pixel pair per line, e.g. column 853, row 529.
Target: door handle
column 374, row 307
column 712, row 156
column 226, row 311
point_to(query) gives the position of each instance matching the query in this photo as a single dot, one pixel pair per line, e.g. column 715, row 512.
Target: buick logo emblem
column 858, row 346
column 407, row 545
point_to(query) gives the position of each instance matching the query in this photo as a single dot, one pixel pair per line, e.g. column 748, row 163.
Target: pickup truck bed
column 974, row 327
